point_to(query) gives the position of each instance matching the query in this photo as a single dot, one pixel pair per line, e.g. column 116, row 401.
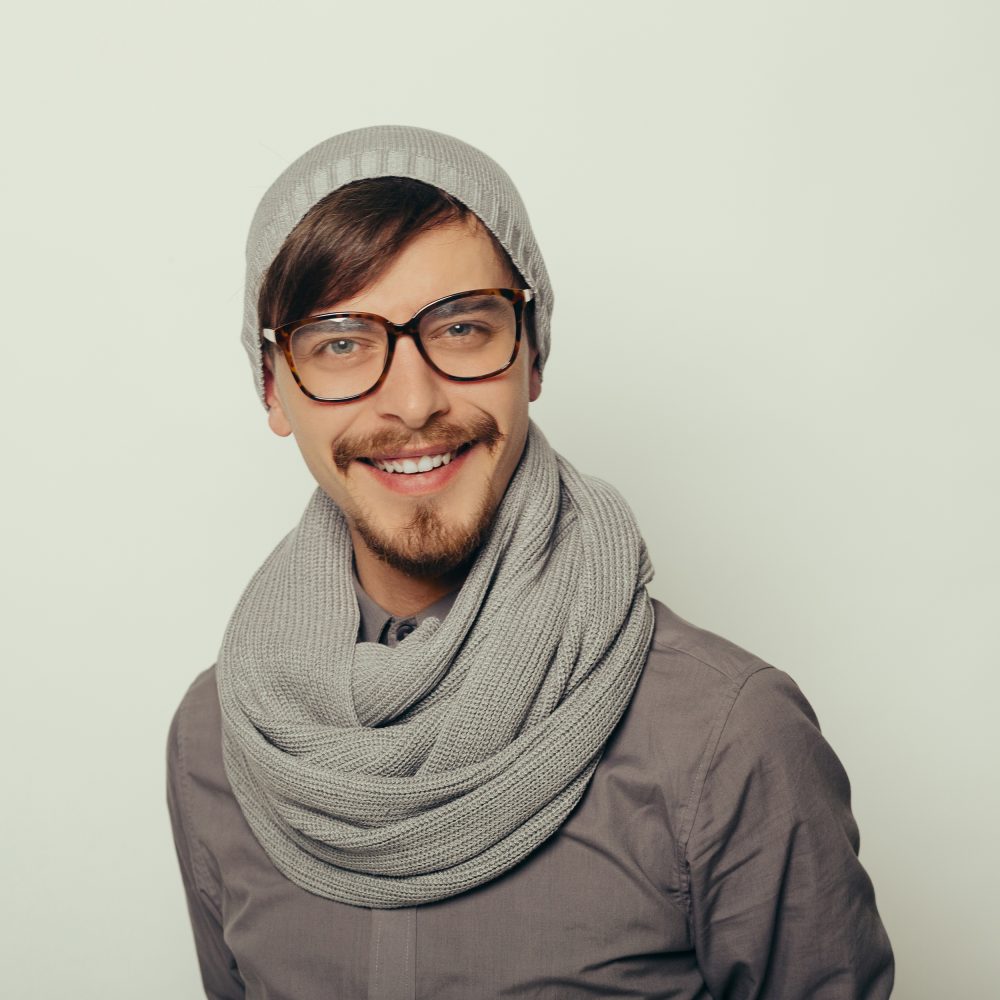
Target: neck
column 397, row 592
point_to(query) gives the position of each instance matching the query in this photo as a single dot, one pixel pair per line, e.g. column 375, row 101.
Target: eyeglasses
column 465, row 337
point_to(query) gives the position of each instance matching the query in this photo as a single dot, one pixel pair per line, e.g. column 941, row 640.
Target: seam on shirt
column 691, row 806
column 375, row 957
column 199, row 866
column 408, row 972
column 403, row 984
column 667, row 647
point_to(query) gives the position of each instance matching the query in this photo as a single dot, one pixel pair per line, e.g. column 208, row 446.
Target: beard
column 428, row 545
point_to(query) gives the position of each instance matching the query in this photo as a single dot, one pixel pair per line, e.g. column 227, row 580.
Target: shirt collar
column 378, row 625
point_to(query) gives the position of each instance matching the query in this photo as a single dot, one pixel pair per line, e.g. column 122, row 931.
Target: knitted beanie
column 457, row 168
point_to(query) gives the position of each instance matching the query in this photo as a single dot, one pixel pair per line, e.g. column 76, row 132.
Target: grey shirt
column 714, row 854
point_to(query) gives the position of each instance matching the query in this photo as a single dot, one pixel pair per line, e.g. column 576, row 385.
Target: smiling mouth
column 414, row 464
column 392, row 452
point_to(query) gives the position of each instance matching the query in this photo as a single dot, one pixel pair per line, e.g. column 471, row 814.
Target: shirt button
column 403, row 629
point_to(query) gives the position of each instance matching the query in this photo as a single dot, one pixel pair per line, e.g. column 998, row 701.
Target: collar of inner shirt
column 377, row 625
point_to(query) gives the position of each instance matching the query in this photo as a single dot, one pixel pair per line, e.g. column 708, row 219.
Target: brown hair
column 348, row 239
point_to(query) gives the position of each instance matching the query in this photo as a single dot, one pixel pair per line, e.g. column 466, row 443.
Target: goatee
column 429, row 547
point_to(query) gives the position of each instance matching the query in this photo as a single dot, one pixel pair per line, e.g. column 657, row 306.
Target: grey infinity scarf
column 392, row 777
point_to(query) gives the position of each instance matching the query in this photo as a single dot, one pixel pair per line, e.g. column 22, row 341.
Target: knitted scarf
column 392, row 777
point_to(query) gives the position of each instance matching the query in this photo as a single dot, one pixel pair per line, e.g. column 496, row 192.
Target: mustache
column 438, row 433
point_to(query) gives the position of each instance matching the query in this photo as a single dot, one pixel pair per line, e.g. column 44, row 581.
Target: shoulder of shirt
column 675, row 639
column 195, row 743
column 693, row 671
column 701, row 694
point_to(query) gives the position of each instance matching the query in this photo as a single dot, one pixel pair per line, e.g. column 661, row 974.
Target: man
column 451, row 749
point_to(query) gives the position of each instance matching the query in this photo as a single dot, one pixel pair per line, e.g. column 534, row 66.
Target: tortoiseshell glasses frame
column 282, row 337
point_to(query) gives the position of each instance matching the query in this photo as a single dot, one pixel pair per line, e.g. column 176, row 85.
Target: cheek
column 509, row 408
column 315, row 426
column 510, row 395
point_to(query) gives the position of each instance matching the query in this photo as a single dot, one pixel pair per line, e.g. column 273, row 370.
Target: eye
column 340, row 347
column 459, row 329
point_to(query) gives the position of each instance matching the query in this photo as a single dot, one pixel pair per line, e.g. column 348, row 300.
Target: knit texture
column 393, row 151
column 392, row 777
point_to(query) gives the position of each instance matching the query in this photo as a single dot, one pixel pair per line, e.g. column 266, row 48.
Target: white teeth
column 408, row 466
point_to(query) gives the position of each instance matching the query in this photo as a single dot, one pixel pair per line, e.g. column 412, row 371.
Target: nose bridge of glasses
column 410, row 386
column 394, row 347
column 411, row 329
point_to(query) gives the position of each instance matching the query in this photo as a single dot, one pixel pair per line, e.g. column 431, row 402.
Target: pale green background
column 790, row 210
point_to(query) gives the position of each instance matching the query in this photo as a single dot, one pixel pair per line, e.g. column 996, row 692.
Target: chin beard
column 428, row 547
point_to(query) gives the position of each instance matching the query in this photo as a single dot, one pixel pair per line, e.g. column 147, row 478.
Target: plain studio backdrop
column 772, row 229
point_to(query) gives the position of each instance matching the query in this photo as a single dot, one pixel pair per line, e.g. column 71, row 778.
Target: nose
column 412, row 393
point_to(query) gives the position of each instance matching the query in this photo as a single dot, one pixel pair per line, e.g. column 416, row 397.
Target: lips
column 419, row 462
column 418, row 482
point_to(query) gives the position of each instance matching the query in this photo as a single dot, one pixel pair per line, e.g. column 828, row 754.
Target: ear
column 534, row 378
column 276, row 418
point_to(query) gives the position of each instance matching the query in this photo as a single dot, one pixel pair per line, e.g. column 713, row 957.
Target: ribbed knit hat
column 393, row 151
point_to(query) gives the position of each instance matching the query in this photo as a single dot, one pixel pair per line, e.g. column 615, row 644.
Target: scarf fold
column 387, row 777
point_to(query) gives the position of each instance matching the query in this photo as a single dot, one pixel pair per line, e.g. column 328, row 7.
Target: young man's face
column 423, row 523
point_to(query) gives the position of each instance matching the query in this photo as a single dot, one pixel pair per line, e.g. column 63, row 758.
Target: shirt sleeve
column 219, row 972
column 781, row 908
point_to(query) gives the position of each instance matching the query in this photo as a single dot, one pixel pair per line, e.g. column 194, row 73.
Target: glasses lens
column 471, row 336
column 339, row 357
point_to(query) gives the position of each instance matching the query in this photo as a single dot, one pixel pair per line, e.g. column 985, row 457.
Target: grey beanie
column 393, row 151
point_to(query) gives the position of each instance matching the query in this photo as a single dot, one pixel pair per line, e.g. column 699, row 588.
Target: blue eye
column 341, row 347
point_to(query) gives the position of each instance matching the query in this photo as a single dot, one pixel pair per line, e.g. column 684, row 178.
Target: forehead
column 455, row 257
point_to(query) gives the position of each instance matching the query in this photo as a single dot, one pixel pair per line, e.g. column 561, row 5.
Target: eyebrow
column 344, row 324
column 487, row 303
